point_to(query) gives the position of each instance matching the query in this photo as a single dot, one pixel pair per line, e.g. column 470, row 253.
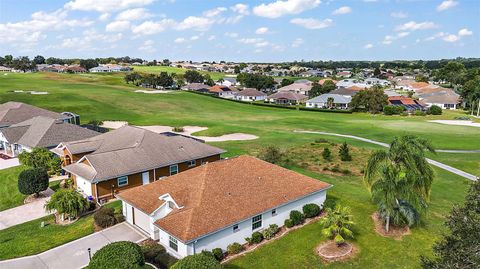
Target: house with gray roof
column 302, row 88
column 109, row 163
column 41, row 132
column 329, row 100
column 286, row 98
column 16, row 112
column 250, row 94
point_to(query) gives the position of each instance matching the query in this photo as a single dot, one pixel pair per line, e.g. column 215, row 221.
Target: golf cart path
column 430, row 161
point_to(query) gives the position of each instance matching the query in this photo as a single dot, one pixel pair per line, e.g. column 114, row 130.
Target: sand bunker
column 458, row 122
column 30, row 92
column 187, row 130
column 152, row 91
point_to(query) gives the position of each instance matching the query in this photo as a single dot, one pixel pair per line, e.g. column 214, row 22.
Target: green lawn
column 107, row 97
column 170, row 69
column 9, row 195
column 29, row 238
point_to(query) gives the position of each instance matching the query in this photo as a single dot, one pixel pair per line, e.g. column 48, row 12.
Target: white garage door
column 141, row 220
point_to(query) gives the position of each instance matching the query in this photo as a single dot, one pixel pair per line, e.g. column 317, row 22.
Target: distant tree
column 271, row 154
column 88, row 63
column 242, row 66
column 236, row 69
column 453, row 72
column 41, row 158
column 67, row 202
column 328, row 86
column 344, row 152
column 316, row 90
column 470, row 92
column 330, row 102
column 208, row 80
column 39, row 59
column 372, row 100
column 460, row 247
column 8, row 59
column 327, row 154
column 286, row 82
column 165, row 80
column 23, row 63
column 33, row 181
column 376, row 71
column 338, row 223
column 421, row 78
column 166, row 62
column 260, row 82
column 192, row 76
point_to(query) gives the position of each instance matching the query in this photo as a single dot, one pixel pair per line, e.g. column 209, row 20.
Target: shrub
column 296, row 217
column 346, row 171
column 156, row 254
column 404, row 113
column 178, row 129
column 420, row 113
column 393, row 110
column 326, row 154
column 234, row 248
column 118, row 255
column 218, row 253
column 335, row 168
column 329, row 203
column 198, row 261
column 271, row 154
column 271, row 231
column 33, row 181
column 321, row 140
column 257, row 237
column 105, row 217
column 434, row 110
column 311, row 210
column 344, row 152
column 288, row 223
column 67, row 201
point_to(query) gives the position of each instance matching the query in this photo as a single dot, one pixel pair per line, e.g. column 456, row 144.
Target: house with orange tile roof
column 409, row 104
column 218, row 203
column 223, row 91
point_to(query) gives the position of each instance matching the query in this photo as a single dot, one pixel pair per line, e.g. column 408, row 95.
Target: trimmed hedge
column 256, row 238
column 344, row 111
column 311, row 210
column 271, row 231
column 434, row 110
column 105, row 217
column 118, row 255
column 234, row 248
column 33, row 180
column 288, row 223
column 198, row 261
column 296, row 217
column 156, row 254
column 218, row 254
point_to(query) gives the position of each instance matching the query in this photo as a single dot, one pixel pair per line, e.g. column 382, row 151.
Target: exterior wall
column 250, row 98
column 443, row 106
column 84, row 185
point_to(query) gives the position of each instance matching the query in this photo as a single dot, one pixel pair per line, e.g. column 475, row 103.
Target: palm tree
column 338, row 223
column 400, row 179
column 330, row 102
column 67, row 202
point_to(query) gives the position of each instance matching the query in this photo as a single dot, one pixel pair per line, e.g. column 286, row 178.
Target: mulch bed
column 394, row 232
column 331, row 252
column 66, row 221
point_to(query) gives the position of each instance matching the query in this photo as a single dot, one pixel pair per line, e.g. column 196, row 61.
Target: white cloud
column 261, row 31
column 262, row 44
column 250, row 40
column 148, row 46
column 368, row 46
column 104, row 16
column 105, row 5
column 214, row 12
column 240, row 9
column 212, row 37
column 151, row 27
column 311, row 23
column 297, row 42
column 180, row 40
column 402, row 34
column 195, row 37
column 117, row 26
column 133, row 14
column 399, row 15
column 451, row 38
column 446, row 5
column 195, row 23
column 279, row 8
column 388, row 39
column 465, row 32
column 413, row 26
column 231, row 35
column 342, row 10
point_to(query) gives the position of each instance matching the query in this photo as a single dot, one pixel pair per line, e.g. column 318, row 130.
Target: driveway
column 24, row 213
column 4, row 164
column 75, row 254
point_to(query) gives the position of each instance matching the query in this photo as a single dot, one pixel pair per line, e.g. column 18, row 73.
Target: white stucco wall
column 84, row 185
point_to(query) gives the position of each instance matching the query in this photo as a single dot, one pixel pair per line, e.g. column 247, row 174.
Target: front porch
column 11, row 150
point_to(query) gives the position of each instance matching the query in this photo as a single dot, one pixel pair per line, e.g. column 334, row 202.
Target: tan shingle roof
column 250, row 92
column 222, row 193
column 129, row 150
column 288, row 95
column 15, row 112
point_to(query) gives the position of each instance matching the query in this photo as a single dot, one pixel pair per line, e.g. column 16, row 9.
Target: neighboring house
column 5, row 69
column 128, row 157
column 313, row 73
column 286, row 98
column 229, row 81
column 301, row 88
column 250, row 94
column 344, row 74
column 350, row 91
column 303, row 81
column 409, row 104
column 41, row 132
column 219, row 203
column 223, row 91
column 442, row 97
column 15, row 112
column 110, row 68
column 198, row 87
column 322, row 101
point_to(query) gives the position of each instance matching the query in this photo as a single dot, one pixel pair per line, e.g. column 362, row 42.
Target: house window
column 256, row 222
column 192, row 163
column 274, row 212
column 173, row 169
column 173, row 243
column 171, row 205
column 235, row 228
column 122, row 181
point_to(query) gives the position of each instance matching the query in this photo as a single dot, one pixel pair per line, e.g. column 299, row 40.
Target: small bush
column 335, row 168
column 198, row 261
column 434, row 110
column 329, row 203
column 321, row 140
column 118, row 255
column 256, row 238
column 33, row 181
column 271, row 154
column 346, row 172
column 344, row 152
column 420, row 113
column 156, row 254
column 296, row 217
column 393, row 110
column 271, row 231
column 218, row 253
column 327, row 154
column 288, row 223
column 404, row 113
column 119, row 218
column 178, row 129
column 105, row 217
column 234, row 248
column 311, row 210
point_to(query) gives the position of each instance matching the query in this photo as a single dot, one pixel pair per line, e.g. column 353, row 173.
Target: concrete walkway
column 4, row 164
column 430, row 161
column 24, row 213
column 75, row 254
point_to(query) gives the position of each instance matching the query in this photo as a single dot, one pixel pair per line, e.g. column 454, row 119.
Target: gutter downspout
column 194, row 250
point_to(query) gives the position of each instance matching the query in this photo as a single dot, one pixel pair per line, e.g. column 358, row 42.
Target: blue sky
column 261, row 31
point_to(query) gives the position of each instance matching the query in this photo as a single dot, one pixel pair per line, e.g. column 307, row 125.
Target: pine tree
column 344, row 152
column 327, row 154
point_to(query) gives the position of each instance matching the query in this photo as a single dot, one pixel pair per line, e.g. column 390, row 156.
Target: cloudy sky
column 264, row 30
